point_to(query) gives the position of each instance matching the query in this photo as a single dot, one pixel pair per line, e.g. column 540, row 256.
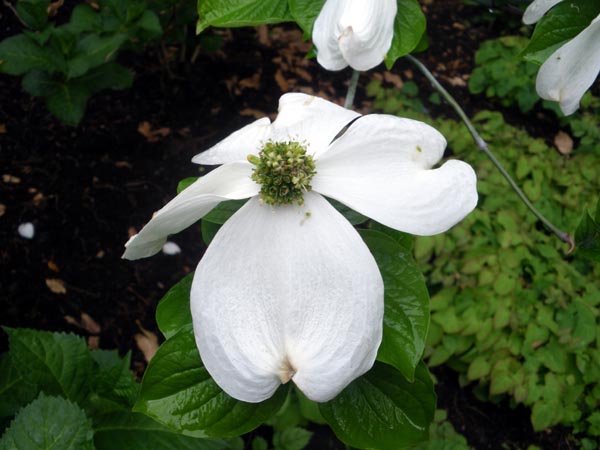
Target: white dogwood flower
column 355, row 33
column 570, row 71
column 287, row 289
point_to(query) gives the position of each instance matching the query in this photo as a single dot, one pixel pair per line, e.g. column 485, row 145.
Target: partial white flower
column 290, row 291
column 26, row 230
column 171, row 248
column 537, row 9
column 355, row 33
column 571, row 70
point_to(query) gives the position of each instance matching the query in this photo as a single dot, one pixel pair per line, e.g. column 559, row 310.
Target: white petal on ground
column 381, row 168
column 571, row 70
column 26, row 230
column 537, row 9
column 354, row 32
column 281, row 294
column 171, row 248
column 303, row 118
column 237, row 146
column 229, row 182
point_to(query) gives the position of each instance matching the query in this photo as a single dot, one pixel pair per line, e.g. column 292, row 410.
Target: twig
column 10, row 6
column 352, row 89
column 483, row 146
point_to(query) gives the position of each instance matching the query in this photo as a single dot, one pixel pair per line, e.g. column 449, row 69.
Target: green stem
column 483, row 146
column 352, row 89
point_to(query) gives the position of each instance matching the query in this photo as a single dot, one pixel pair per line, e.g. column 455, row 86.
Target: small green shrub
column 55, row 393
column 511, row 311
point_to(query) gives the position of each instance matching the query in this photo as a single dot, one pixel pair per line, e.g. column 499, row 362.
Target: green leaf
column 150, row 23
column 409, row 28
column 185, row 183
column 107, row 76
column 19, row 54
column 305, row 12
column 294, row 438
column 224, row 211
column 59, row 363
column 587, row 236
column 351, row 216
column 405, row 240
column 67, row 101
column 173, row 311
column 49, row 423
column 241, row 13
column 137, row 432
column 83, row 18
column 259, row 443
column 114, row 386
column 38, row 83
column 33, row 12
column 562, row 23
column 92, row 51
column 545, row 414
column 382, row 410
column 15, row 392
column 178, row 392
column 406, row 317
column 209, row 231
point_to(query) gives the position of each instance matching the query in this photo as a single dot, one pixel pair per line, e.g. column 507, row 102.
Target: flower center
column 284, row 171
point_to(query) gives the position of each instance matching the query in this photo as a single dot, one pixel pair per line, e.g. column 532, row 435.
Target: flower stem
column 351, row 89
column 483, row 146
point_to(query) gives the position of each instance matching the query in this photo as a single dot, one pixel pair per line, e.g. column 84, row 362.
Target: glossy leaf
column 305, row 12
column 406, row 317
column 114, row 386
column 135, row 431
column 382, row 410
column 49, row 423
column 562, row 23
column 241, row 13
column 67, row 101
column 15, row 392
column 59, row 363
column 173, row 311
column 178, row 392
column 409, row 27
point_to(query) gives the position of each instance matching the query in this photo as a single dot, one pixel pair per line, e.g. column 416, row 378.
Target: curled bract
column 290, row 292
column 355, row 33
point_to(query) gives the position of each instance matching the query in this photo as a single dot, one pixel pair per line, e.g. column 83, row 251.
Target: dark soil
column 86, row 188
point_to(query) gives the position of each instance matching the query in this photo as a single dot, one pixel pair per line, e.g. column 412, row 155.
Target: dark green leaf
column 59, row 363
column 135, row 431
column 114, row 386
column 305, row 12
column 173, row 311
column 107, row 76
column 405, row 240
column 19, row 54
column 562, row 23
column 92, row 51
column 381, row 410
column 406, row 317
column 259, row 443
column 49, row 423
column 409, row 28
column 209, row 231
column 178, row 392
column 33, row 12
column 67, row 101
column 38, row 83
column 294, row 438
column 351, row 216
column 241, row 13
column 150, row 23
column 83, row 18
column 224, row 211
column 15, row 392
column 587, row 236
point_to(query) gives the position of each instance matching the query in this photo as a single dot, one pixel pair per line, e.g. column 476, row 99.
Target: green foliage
column 559, row 25
column 501, row 74
column 67, row 64
column 409, row 24
column 442, row 435
column 59, row 394
column 510, row 310
column 587, row 236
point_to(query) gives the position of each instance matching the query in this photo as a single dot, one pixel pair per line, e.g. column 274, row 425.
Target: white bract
column 355, row 33
column 290, row 291
column 570, row 71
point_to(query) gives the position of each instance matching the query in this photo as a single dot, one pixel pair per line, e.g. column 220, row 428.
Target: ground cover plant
column 189, row 388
